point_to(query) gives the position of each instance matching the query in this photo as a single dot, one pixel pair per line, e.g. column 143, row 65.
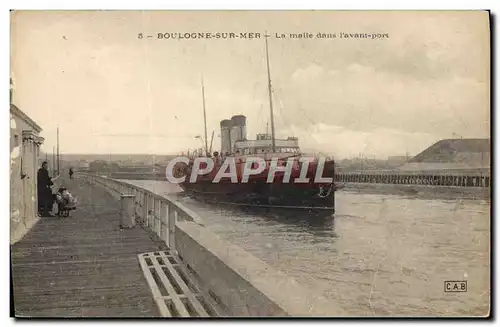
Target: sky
column 88, row 73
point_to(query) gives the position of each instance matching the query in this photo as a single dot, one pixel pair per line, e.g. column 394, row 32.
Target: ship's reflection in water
column 320, row 223
column 380, row 255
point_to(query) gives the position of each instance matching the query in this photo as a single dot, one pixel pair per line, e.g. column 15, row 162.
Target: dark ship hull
column 258, row 193
column 263, row 194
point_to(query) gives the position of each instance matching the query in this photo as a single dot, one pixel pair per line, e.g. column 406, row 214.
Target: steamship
column 257, row 191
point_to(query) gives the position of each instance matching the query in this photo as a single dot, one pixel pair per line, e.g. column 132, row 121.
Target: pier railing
column 157, row 212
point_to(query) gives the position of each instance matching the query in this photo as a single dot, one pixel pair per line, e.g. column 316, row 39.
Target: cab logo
column 455, row 286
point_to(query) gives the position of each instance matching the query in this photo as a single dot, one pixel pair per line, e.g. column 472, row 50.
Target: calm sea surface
column 382, row 255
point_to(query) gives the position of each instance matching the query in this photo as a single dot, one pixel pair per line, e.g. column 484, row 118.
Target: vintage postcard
column 250, row 163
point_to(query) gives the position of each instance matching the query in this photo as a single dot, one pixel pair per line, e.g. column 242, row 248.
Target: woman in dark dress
column 45, row 196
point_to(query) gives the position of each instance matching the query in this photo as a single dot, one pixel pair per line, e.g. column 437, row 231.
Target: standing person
column 70, row 173
column 45, row 197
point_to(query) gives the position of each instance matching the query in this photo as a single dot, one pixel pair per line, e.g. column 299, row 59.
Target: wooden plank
column 170, row 289
column 215, row 307
column 189, row 294
column 165, row 312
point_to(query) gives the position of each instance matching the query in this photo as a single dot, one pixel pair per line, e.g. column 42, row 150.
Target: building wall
column 24, row 161
column 242, row 284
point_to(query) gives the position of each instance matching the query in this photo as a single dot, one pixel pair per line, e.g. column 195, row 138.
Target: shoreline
column 420, row 191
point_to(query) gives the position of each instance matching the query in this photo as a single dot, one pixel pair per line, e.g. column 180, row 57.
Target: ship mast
column 270, row 97
column 212, row 141
column 204, row 114
column 58, row 151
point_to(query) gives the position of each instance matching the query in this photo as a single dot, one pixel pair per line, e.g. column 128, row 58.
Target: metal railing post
column 127, row 211
column 163, row 221
column 172, row 218
column 144, row 204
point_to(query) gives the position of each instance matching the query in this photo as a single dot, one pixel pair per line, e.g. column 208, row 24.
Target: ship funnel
column 225, row 135
column 238, row 129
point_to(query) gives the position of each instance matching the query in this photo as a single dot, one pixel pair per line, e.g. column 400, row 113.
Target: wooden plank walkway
column 83, row 265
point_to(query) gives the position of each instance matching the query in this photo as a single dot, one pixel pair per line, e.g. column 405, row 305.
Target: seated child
column 65, row 199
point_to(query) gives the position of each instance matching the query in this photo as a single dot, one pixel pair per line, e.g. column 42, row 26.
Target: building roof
column 18, row 112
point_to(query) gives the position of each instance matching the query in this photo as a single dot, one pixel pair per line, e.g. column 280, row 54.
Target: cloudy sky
column 109, row 91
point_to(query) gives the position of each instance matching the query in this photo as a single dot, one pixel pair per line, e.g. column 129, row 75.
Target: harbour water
column 381, row 255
